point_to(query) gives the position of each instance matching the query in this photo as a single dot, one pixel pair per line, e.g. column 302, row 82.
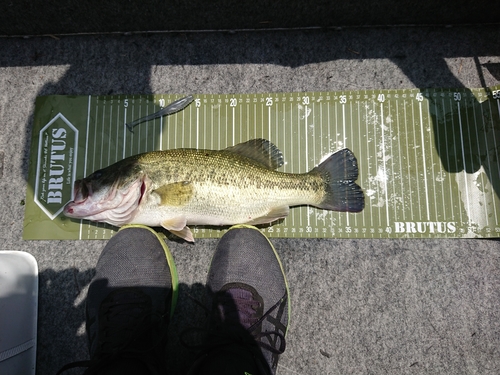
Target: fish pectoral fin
column 176, row 223
column 178, row 227
column 261, row 151
column 273, row 215
column 175, row 194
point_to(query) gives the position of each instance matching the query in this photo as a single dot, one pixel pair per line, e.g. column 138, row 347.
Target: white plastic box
column 18, row 312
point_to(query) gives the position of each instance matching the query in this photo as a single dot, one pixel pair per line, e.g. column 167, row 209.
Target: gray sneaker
column 250, row 306
column 130, row 302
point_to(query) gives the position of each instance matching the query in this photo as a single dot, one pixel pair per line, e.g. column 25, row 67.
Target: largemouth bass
column 237, row 185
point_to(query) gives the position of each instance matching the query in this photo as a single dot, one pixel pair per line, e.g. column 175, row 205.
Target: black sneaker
column 250, row 303
column 130, row 302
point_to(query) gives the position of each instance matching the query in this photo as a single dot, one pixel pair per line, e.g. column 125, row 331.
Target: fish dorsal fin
column 261, row 151
column 175, row 194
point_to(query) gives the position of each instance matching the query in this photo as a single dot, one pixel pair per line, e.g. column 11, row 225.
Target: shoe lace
column 269, row 334
column 237, row 321
column 239, row 307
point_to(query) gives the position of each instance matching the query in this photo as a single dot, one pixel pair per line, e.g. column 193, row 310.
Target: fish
column 237, row 185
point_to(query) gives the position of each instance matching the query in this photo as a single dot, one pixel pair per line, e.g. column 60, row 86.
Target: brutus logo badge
column 56, row 165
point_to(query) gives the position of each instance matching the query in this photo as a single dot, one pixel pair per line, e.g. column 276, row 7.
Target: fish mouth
column 82, row 191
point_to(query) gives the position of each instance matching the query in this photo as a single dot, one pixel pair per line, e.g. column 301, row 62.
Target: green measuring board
column 428, row 159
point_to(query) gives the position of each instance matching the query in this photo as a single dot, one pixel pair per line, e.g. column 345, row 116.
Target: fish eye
column 97, row 174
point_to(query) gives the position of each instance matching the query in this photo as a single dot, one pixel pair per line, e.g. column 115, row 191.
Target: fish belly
column 216, row 205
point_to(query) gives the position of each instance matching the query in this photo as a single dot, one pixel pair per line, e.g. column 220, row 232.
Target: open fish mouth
column 82, row 191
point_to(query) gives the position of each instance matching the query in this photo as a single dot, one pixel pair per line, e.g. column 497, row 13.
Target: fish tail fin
column 340, row 171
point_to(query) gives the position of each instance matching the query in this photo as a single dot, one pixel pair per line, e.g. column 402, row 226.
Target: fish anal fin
column 178, row 227
column 274, row 214
column 175, row 194
column 261, row 151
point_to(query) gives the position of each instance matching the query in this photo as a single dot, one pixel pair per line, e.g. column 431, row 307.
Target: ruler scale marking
column 376, row 120
column 415, row 155
column 111, row 132
column 353, row 137
column 384, row 165
column 464, row 162
column 488, row 158
column 400, row 161
column 440, row 174
column 426, row 188
column 429, row 149
column 495, row 138
column 407, row 159
column 481, row 167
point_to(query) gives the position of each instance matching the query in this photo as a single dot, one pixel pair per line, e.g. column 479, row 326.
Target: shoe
column 130, row 302
column 249, row 306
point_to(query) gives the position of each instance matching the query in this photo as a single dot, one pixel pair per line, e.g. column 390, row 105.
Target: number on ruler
column 381, row 98
column 419, row 97
column 125, row 103
column 457, row 96
column 269, row 101
column 343, row 99
column 496, row 94
column 162, row 102
column 233, row 102
column 305, row 100
column 197, row 102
